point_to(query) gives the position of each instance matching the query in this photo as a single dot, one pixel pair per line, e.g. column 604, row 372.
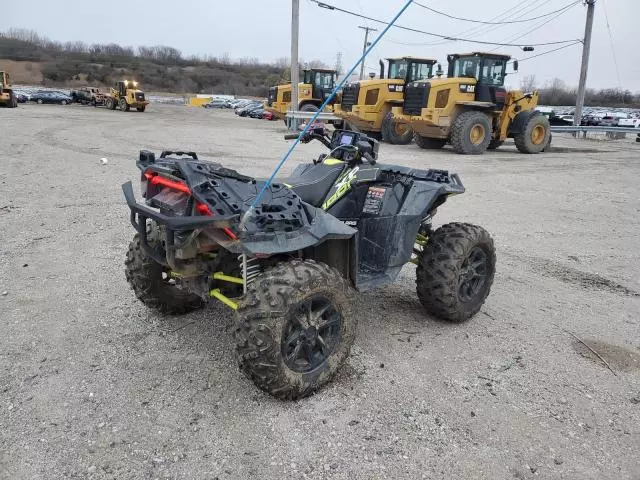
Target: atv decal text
column 342, row 186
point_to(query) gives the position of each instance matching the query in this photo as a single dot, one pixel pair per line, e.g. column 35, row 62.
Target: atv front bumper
column 140, row 213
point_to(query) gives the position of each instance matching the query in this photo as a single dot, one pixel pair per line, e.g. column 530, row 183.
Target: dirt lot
column 92, row 385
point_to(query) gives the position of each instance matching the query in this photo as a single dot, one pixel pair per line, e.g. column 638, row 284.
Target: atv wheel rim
column 311, row 334
column 473, row 275
column 537, row 134
column 476, row 134
column 400, row 129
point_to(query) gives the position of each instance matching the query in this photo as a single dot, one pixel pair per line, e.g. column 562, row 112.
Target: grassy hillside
column 33, row 60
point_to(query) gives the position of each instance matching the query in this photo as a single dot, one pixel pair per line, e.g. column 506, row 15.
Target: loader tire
column 141, row 109
column 152, row 285
column 13, row 101
column 455, row 271
column 534, row 137
column 471, row 133
column 429, row 143
column 295, row 327
column 396, row 133
column 110, row 103
column 309, row 107
column 124, row 106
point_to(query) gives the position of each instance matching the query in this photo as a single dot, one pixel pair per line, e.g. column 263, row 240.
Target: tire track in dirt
column 573, row 276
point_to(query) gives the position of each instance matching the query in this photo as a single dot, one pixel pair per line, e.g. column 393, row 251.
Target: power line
column 490, row 22
column 446, row 37
column 477, row 29
column 613, row 50
column 549, row 51
column 542, row 24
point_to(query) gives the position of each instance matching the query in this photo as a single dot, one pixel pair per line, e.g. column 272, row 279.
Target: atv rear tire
column 151, row 283
column 455, row 271
column 429, row 143
column 471, row 133
column 495, row 144
column 534, row 137
column 277, row 343
column 395, row 133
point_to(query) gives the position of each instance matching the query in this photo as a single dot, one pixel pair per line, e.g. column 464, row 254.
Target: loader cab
column 489, row 72
column 410, row 69
column 124, row 85
column 322, row 82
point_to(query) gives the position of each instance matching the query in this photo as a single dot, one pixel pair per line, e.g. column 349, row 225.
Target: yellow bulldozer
column 126, row 96
column 7, row 97
column 471, row 109
column 315, row 87
column 366, row 105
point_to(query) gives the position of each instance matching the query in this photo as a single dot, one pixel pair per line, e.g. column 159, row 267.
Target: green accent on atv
column 227, row 278
column 332, row 161
column 217, row 294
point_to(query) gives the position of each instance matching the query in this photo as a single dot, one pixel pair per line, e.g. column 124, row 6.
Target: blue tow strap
column 326, row 102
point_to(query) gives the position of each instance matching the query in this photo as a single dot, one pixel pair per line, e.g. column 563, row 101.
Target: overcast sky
column 261, row 28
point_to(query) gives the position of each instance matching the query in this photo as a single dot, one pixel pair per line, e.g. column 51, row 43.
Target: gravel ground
column 92, row 385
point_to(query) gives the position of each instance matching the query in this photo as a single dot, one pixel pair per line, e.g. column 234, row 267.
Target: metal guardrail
column 307, row 115
column 592, row 129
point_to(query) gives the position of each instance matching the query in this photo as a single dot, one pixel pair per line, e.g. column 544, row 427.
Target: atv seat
column 312, row 182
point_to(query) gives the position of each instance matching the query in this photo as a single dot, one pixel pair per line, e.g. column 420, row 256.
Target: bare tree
column 528, row 83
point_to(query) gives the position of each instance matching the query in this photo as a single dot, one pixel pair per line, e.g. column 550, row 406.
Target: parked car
column 609, row 121
column 51, row 97
column 87, row 96
column 243, row 112
column 215, row 103
column 257, row 113
column 22, row 98
column 590, row 120
column 630, row 122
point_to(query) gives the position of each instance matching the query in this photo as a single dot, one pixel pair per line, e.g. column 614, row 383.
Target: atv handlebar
column 291, row 136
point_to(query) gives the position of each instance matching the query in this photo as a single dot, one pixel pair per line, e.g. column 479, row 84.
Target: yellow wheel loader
column 366, row 105
column 471, row 109
column 7, row 97
column 126, row 96
column 316, row 86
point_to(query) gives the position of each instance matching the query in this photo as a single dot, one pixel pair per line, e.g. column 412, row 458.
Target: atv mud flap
column 140, row 213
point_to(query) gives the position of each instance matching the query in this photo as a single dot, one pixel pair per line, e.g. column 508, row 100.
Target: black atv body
column 370, row 213
column 290, row 262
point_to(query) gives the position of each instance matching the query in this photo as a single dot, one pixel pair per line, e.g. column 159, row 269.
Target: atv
column 289, row 264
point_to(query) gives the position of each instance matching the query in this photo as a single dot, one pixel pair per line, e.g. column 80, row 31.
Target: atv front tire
column 152, row 284
column 429, row 143
column 295, row 328
column 455, row 271
column 471, row 133
column 396, row 133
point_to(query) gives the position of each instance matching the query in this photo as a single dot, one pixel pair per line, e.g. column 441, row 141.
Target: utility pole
column 586, row 46
column 295, row 72
column 364, row 47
